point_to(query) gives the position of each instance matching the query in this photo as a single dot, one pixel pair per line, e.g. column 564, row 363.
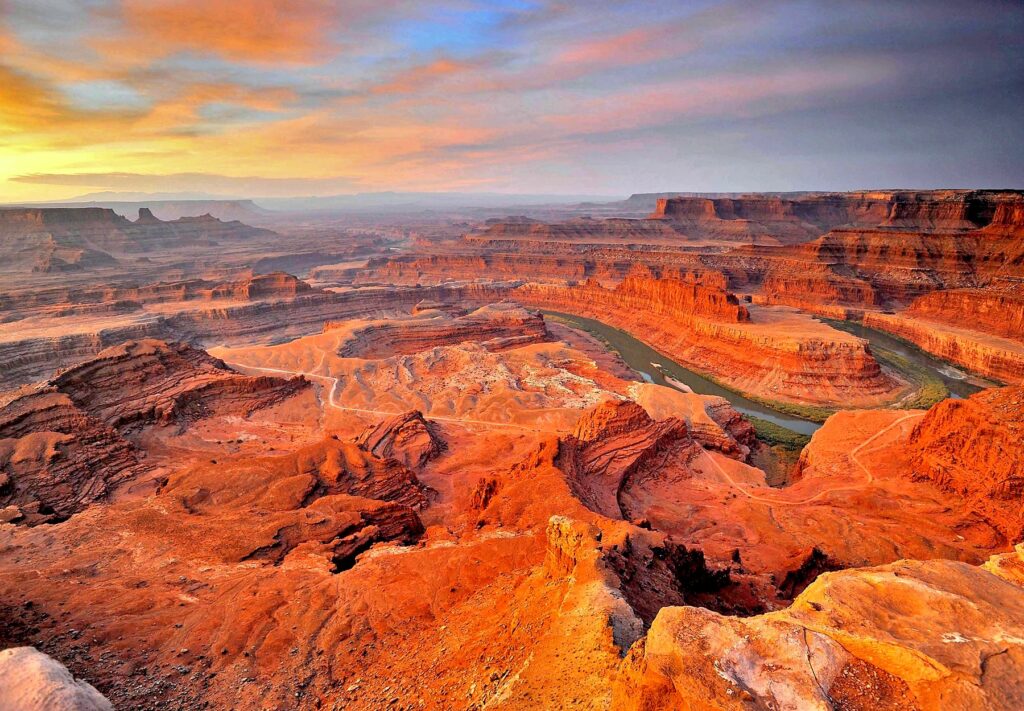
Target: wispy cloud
column 431, row 94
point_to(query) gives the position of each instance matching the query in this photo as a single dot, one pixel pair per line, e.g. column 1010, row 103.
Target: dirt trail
column 824, row 492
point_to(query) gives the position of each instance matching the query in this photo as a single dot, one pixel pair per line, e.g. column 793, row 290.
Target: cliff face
column 985, row 354
column 864, row 268
column 811, row 286
column 606, row 266
column 793, row 216
column 671, row 297
column 974, row 448
column 781, row 355
column 582, row 230
column 748, row 219
column 48, row 239
column 273, row 285
column 990, row 310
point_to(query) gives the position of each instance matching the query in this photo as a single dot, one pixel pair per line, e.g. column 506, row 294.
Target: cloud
column 191, row 182
column 423, row 76
column 430, row 94
column 246, row 30
column 733, row 95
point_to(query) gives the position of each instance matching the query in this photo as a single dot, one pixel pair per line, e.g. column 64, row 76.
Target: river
column 959, row 383
column 656, row 368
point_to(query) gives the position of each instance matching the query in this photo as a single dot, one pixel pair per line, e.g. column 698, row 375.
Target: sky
column 318, row 97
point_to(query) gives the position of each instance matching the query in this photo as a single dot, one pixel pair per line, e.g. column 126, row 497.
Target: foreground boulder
column 911, row 635
column 32, row 681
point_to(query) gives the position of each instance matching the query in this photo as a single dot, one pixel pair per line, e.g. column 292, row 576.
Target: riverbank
column 655, row 367
column 936, row 374
column 783, row 424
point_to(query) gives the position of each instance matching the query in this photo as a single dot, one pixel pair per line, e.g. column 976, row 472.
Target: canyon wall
column 990, row 310
column 72, row 239
column 272, row 285
column 788, row 217
column 780, row 355
column 579, row 230
column 987, row 355
column 875, row 268
column 605, row 265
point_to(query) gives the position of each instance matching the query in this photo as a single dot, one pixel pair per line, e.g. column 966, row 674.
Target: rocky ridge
column 974, row 448
column 64, row 445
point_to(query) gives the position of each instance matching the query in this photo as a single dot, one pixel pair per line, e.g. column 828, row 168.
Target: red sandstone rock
column 615, row 447
column 44, row 235
column 497, row 327
column 408, row 438
column 993, row 310
column 974, row 448
column 622, row 566
column 63, row 445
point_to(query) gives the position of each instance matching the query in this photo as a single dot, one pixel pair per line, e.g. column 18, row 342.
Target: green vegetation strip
column 930, row 388
column 804, row 412
column 776, row 435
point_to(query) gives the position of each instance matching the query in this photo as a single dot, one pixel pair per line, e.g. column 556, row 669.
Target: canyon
column 381, row 461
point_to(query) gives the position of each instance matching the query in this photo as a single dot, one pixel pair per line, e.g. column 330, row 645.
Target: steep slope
column 974, row 448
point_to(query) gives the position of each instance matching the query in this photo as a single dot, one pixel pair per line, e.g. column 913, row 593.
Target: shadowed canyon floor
column 396, row 484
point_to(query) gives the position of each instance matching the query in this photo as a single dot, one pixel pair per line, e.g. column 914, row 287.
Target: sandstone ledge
column 985, row 354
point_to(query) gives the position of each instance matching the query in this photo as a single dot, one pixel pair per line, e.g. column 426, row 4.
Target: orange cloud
column 245, row 30
column 417, row 78
column 24, row 104
column 33, row 111
column 639, row 46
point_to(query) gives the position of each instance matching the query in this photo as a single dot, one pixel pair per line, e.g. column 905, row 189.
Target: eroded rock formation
column 63, row 443
column 974, row 448
column 497, row 327
column 423, row 498
column 408, row 438
column 60, row 239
